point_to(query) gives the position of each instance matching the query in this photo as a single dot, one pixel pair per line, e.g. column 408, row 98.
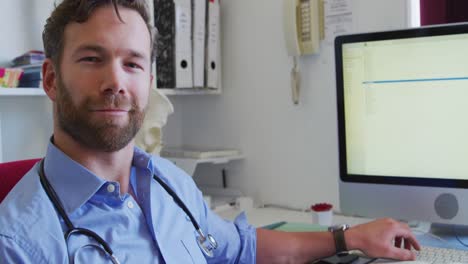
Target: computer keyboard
column 441, row 255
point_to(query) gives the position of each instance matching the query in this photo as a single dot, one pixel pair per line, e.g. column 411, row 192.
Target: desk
column 259, row 217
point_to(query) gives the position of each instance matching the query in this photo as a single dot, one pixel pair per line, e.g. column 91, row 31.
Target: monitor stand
column 451, row 232
column 420, row 226
column 440, row 235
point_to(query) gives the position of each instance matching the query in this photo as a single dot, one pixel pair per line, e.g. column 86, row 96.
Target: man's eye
column 90, row 59
column 133, row 65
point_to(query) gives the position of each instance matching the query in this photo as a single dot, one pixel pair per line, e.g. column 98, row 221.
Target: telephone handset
column 301, row 26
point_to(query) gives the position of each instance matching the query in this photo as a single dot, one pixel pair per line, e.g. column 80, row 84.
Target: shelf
column 40, row 91
column 189, row 164
column 189, row 91
column 29, row 66
column 217, row 160
column 221, row 198
column 21, row 92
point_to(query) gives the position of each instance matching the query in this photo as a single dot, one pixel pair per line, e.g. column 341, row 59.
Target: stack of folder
column 30, row 63
column 32, row 76
column 188, row 45
column 30, row 57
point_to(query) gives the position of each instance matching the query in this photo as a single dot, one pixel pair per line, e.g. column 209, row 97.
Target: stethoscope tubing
column 59, row 207
column 77, row 230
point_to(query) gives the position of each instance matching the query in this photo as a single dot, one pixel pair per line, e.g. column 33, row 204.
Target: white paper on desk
column 183, row 43
column 198, row 42
column 338, row 19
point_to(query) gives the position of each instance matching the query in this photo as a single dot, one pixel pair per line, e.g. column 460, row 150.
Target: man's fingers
column 407, row 235
column 398, row 242
column 407, row 244
column 390, row 239
column 411, row 241
column 401, row 254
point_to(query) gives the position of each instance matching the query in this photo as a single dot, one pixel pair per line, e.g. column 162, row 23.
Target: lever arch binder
column 213, row 45
column 198, row 41
column 173, row 19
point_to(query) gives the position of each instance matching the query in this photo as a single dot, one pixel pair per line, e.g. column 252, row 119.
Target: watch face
column 338, row 227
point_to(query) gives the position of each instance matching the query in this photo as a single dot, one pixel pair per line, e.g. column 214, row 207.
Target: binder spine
column 212, row 45
column 183, row 56
column 164, row 17
column 198, row 41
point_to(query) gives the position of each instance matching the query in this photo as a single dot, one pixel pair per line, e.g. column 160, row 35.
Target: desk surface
column 264, row 216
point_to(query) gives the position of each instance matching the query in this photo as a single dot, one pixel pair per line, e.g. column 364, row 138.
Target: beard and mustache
column 105, row 134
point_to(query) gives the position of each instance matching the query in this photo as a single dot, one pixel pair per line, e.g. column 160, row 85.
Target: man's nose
column 113, row 79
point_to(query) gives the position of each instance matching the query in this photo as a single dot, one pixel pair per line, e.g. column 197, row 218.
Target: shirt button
column 130, row 204
column 110, row 188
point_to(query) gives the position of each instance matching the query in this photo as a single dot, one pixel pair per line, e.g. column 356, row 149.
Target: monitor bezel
column 449, row 29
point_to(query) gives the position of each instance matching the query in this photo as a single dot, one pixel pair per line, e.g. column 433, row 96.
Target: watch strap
column 340, row 242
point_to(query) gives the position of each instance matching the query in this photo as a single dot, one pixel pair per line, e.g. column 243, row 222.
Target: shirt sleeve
column 17, row 251
column 248, row 238
column 237, row 241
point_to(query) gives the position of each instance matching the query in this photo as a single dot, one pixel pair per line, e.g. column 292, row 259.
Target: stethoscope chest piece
column 206, row 243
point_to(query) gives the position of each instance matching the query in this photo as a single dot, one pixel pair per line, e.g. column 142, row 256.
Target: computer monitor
column 402, row 101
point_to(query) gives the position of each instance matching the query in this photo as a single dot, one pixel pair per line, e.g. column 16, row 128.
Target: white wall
column 26, row 121
column 22, row 23
column 291, row 151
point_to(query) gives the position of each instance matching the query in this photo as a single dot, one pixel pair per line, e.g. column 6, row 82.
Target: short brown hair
column 79, row 11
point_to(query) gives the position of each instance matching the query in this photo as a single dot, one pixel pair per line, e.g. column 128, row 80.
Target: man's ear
column 49, row 79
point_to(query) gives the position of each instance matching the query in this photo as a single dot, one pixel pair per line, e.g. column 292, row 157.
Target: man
column 95, row 187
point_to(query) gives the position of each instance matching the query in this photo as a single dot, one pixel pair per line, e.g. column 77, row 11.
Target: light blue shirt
column 150, row 229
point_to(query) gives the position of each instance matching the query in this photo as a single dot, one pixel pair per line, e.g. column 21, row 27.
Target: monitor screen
column 403, row 119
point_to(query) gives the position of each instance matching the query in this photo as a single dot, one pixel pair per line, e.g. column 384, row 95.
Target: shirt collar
column 142, row 160
column 75, row 184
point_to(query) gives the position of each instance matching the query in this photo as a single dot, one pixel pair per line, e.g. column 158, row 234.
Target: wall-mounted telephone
column 301, row 26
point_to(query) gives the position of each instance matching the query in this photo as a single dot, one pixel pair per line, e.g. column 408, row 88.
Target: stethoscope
column 206, row 243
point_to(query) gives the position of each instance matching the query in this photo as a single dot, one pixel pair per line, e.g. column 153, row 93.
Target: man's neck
column 110, row 166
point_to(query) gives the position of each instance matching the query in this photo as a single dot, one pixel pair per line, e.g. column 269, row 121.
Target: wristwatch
column 338, row 235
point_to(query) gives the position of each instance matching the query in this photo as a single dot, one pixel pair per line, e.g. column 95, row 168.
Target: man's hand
column 383, row 238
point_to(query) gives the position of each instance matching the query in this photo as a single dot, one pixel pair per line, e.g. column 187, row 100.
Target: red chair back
column 11, row 173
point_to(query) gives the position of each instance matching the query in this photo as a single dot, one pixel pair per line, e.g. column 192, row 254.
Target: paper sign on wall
column 338, row 19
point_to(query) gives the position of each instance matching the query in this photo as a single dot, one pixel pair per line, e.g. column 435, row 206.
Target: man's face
column 104, row 79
